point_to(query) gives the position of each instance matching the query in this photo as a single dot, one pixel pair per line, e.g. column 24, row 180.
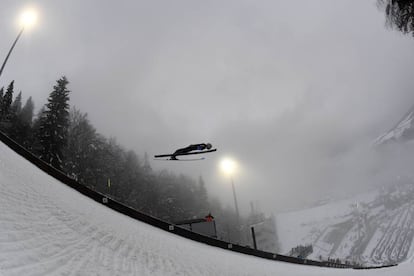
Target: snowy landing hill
column 374, row 228
column 403, row 131
column 46, row 228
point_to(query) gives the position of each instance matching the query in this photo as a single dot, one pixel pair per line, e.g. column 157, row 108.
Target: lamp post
column 228, row 166
column 27, row 19
column 235, row 201
column 11, row 49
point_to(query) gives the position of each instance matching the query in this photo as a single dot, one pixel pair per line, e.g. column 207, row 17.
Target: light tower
column 229, row 167
column 27, row 19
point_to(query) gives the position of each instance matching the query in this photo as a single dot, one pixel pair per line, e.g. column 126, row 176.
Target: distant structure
column 205, row 226
column 265, row 230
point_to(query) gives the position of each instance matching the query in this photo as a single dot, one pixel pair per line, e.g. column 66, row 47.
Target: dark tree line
column 15, row 120
column 66, row 139
column 399, row 14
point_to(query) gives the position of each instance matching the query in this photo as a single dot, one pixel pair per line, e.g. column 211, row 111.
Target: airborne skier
column 189, row 150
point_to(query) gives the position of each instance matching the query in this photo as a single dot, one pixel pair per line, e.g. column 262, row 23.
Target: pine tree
column 21, row 130
column 26, row 114
column 1, row 98
column 53, row 129
column 80, row 150
column 13, row 129
column 16, row 106
column 6, row 103
column 399, row 14
column 35, row 145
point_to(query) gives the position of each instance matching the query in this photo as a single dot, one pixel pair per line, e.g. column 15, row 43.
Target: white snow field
column 46, row 228
column 373, row 228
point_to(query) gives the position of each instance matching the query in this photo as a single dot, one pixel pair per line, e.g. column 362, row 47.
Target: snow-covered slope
column 402, row 131
column 374, row 228
column 47, row 228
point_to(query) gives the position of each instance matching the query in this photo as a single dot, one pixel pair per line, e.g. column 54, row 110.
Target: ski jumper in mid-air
column 189, row 150
column 193, row 147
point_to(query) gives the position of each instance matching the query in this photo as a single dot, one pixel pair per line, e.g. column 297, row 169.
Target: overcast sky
column 294, row 90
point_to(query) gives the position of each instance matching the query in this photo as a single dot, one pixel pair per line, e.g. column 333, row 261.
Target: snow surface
column 373, row 229
column 297, row 227
column 46, row 228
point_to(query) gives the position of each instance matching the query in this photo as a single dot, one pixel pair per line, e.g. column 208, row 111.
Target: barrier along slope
column 128, row 211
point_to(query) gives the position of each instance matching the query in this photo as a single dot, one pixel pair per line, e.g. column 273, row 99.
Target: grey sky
column 295, row 90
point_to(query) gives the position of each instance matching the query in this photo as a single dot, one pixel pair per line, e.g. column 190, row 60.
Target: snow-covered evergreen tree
column 14, row 126
column 53, row 129
column 36, row 146
column 80, row 151
column 16, row 106
column 21, row 129
column 6, row 103
column 26, row 114
column 1, row 98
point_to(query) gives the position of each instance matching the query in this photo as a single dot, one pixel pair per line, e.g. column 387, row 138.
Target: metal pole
column 254, row 238
column 11, row 49
column 235, row 202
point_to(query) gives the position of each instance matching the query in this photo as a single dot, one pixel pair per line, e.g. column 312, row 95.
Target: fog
column 294, row 91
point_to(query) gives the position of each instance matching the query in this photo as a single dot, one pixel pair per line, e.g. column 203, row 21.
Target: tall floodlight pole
column 10, row 51
column 236, row 206
column 228, row 166
column 27, row 19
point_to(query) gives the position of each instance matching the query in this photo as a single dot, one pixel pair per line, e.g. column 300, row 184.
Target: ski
column 187, row 153
column 195, row 159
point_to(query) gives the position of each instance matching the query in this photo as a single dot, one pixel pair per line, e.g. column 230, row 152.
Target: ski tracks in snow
column 47, row 228
column 38, row 237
